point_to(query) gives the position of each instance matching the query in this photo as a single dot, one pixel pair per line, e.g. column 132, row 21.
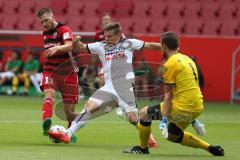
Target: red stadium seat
column 1, row 5
column 141, row 25
column 187, row 2
column 153, row 2
column 191, row 11
column 106, row 6
column 211, row 27
column 42, row 4
column 141, row 9
column 90, row 9
column 176, row 25
column 75, row 23
column 10, row 7
column 127, row 25
column 37, row 25
column 59, row 7
column 62, row 19
column 25, row 22
column 193, row 27
column 9, row 22
column 208, row 1
column 227, row 11
column 90, row 24
column 210, row 11
column 229, row 27
column 123, row 8
column 158, row 26
column 175, row 10
column 28, row 8
column 173, row 2
column 75, row 8
column 158, row 10
column 225, row 2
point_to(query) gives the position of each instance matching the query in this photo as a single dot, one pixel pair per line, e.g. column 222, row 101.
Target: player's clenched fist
column 76, row 39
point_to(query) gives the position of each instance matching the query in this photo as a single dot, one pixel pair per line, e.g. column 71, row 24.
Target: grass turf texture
column 105, row 138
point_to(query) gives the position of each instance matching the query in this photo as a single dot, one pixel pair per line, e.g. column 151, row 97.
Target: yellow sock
column 193, row 141
column 26, row 83
column 144, row 133
column 15, row 82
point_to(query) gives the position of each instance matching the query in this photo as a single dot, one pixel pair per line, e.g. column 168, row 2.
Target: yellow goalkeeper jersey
column 181, row 71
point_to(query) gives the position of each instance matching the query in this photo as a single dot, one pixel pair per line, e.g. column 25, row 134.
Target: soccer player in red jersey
column 59, row 70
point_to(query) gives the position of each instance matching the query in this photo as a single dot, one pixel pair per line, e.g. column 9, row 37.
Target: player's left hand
column 49, row 52
column 164, row 127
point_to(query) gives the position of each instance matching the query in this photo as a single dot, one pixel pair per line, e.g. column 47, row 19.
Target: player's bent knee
column 50, row 93
column 153, row 112
column 175, row 134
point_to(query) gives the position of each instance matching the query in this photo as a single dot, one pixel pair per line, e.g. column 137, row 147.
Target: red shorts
column 67, row 85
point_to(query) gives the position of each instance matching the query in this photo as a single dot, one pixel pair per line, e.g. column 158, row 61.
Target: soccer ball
column 56, row 128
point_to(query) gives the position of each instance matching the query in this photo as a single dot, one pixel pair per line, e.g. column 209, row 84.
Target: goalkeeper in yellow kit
column 183, row 102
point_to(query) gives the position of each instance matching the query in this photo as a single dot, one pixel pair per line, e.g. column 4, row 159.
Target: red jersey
column 53, row 38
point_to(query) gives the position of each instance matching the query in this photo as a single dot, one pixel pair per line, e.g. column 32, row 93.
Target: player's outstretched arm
column 152, row 46
column 168, row 96
column 67, row 46
column 78, row 44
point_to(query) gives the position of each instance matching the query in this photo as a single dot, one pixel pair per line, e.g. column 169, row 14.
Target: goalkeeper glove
column 120, row 113
column 199, row 127
column 164, row 127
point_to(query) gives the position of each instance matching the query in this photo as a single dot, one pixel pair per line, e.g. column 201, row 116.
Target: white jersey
column 116, row 60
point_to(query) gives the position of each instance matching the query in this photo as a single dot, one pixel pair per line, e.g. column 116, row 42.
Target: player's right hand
column 163, row 123
column 76, row 39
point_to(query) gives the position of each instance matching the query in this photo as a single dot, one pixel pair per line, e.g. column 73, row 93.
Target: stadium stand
column 141, row 25
column 75, row 9
column 106, row 6
column 206, row 17
column 124, row 8
column 141, row 9
column 127, row 25
column 193, row 27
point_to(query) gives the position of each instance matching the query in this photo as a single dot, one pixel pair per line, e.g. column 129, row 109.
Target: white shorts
column 8, row 74
column 122, row 94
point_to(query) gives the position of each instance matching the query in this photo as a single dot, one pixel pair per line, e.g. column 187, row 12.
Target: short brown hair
column 43, row 11
column 115, row 26
column 170, row 39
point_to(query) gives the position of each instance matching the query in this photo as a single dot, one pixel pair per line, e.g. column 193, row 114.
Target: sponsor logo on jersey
column 114, row 54
column 66, row 35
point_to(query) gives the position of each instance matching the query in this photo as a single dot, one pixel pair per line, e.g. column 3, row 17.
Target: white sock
column 80, row 121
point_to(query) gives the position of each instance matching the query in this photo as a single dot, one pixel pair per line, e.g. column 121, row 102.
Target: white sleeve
column 137, row 45
column 93, row 48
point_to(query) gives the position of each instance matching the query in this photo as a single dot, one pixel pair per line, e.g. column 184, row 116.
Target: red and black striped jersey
column 56, row 37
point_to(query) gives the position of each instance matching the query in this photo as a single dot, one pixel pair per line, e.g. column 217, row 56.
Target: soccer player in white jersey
column 116, row 55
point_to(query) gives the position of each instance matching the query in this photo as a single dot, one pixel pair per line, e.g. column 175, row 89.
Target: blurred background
column 209, row 32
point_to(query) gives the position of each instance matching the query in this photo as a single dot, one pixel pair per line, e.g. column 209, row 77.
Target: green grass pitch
column 105, row 138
